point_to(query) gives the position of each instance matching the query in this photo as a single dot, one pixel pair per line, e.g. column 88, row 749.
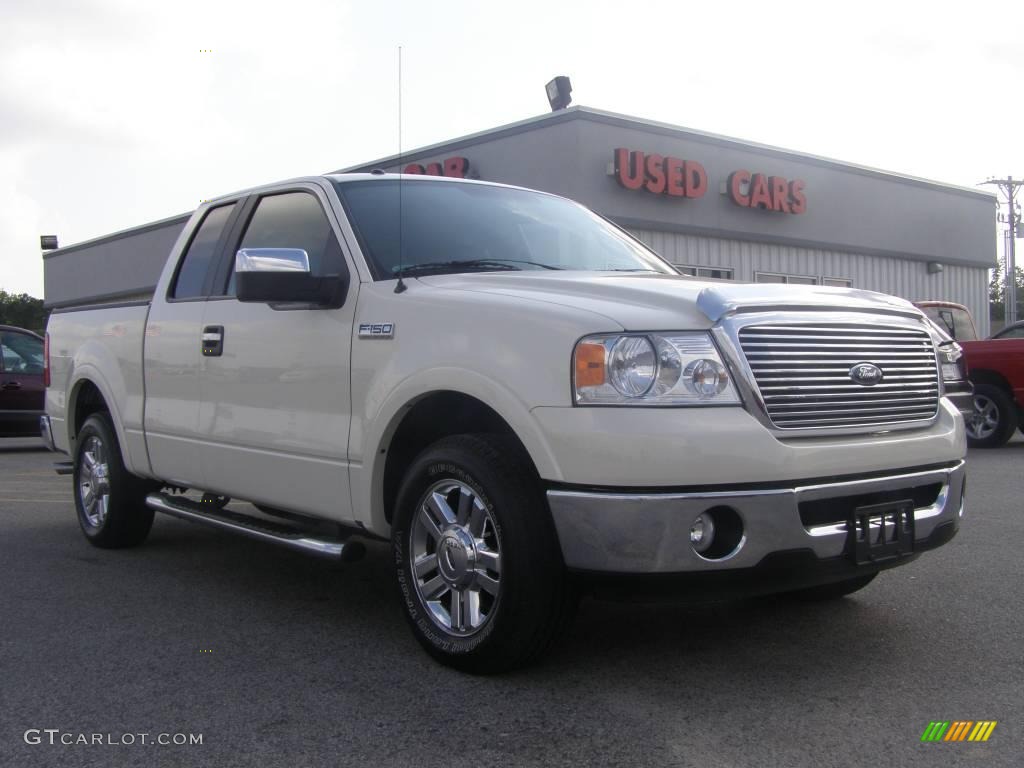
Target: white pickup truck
column 517, row 394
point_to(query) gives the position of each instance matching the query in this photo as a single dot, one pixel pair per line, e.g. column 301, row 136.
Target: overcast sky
column 114, row 113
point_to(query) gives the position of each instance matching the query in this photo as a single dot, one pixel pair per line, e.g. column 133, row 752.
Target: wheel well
column 88, row 401
column 984, row 376
column 428, row 420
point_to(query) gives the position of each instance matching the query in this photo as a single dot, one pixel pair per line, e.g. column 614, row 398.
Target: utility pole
column 1009, row 187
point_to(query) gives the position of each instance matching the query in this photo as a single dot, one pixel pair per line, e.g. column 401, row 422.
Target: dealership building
column 714, row 206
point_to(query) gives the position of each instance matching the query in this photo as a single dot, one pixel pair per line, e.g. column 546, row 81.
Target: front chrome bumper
column 622, row 532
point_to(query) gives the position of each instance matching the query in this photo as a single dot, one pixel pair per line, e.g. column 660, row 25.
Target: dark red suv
column 21, row 382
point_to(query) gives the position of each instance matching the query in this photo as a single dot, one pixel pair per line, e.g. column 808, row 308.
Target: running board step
column 255, row 528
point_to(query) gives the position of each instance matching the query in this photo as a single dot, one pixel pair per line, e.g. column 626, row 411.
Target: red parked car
column 996, row 368
column 21, row 382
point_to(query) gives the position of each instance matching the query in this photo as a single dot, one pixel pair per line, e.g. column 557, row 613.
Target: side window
column 21, row 353
column 293, row 220
column 191, row 275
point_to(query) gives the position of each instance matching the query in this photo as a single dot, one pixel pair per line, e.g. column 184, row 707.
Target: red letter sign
column 629, row 168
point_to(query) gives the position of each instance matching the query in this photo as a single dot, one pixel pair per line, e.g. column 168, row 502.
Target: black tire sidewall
column 532, row 573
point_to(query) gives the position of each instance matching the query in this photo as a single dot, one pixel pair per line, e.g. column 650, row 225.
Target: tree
column 23, row 311
column 997, row 292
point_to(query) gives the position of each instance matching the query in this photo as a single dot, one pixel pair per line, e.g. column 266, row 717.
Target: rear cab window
column 190, row 281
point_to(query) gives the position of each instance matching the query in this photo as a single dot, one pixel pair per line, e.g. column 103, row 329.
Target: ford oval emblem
column 866, row 374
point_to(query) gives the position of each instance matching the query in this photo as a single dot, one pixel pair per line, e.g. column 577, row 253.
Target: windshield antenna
column 400, row 285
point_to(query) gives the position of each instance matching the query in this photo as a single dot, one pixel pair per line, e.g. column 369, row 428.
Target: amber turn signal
column 590, row 364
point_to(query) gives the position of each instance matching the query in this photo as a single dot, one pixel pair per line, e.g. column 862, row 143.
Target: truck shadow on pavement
column 356, row 604
column 23, row 447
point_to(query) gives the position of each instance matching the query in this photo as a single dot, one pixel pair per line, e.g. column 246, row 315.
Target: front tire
column 110, row 500
column 477, row 560
column 994, row 419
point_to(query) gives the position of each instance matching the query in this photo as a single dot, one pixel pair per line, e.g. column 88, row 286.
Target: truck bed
column 106, row 343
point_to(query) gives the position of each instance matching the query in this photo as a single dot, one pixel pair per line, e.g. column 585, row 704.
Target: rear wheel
column 994, row 419
column 477, row 559
column 110, row 501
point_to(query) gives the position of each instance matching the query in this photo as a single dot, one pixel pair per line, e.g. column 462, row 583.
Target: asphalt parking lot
column 280, row 660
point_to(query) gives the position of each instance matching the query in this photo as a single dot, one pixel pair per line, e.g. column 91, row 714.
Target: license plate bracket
column 879, row 532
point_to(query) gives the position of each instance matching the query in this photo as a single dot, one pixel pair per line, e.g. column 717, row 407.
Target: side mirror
column 281, row 275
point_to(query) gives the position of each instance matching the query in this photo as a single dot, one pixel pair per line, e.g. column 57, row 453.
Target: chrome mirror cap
column 272, row 260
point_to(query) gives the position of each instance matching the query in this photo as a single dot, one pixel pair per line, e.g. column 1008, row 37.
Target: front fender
column 371, row 445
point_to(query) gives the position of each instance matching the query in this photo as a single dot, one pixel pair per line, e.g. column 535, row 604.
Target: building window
column 772, row 277
column 718, row 273
column 775, row 277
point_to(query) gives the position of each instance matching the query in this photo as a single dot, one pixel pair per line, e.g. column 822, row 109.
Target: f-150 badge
column 376, row 330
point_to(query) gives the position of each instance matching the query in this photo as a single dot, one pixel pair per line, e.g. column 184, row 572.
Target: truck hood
column 657, row 302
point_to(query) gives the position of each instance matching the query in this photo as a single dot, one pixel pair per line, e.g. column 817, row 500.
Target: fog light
column 702, row 532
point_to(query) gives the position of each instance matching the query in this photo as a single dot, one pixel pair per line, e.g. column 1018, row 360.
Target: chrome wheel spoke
column 455, row 610
column 428, row 522
column 88, row 462
column 437, row 506
column 424, row 565
column 471, row 608
column 434, row 589
column 488, row 561
column 487, row 584
column 466, row 500
column 477, row 520
column 102, row 486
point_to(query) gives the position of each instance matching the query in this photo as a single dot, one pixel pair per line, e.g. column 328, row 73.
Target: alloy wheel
column 94, row 482
column 984, row 420
column 455, row 558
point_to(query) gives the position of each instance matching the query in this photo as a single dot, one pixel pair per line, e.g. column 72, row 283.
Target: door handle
column 213, row 341
column 10, row 385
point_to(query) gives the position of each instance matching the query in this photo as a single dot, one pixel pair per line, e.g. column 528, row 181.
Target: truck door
column 172, row 352
column 274, row 386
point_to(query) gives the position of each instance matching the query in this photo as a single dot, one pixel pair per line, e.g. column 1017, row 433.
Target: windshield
column 449, row 227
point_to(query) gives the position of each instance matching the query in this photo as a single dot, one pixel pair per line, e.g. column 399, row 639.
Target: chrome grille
column 803, row 374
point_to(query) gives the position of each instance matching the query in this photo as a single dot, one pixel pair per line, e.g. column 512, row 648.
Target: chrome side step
column 254, row 528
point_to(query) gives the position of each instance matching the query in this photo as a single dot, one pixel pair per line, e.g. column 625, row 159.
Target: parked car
column 520, row 396
column 996, row 369
column 1012, row 331
column 22, row 392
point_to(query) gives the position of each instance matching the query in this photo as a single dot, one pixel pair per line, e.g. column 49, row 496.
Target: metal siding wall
column 906, row 278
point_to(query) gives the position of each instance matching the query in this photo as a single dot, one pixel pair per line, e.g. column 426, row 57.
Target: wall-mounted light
column 48, row 243
column 935, row 267
column 559, row 93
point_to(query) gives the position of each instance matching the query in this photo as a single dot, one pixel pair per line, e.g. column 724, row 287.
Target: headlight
column 950, row 362
column 651, row 369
